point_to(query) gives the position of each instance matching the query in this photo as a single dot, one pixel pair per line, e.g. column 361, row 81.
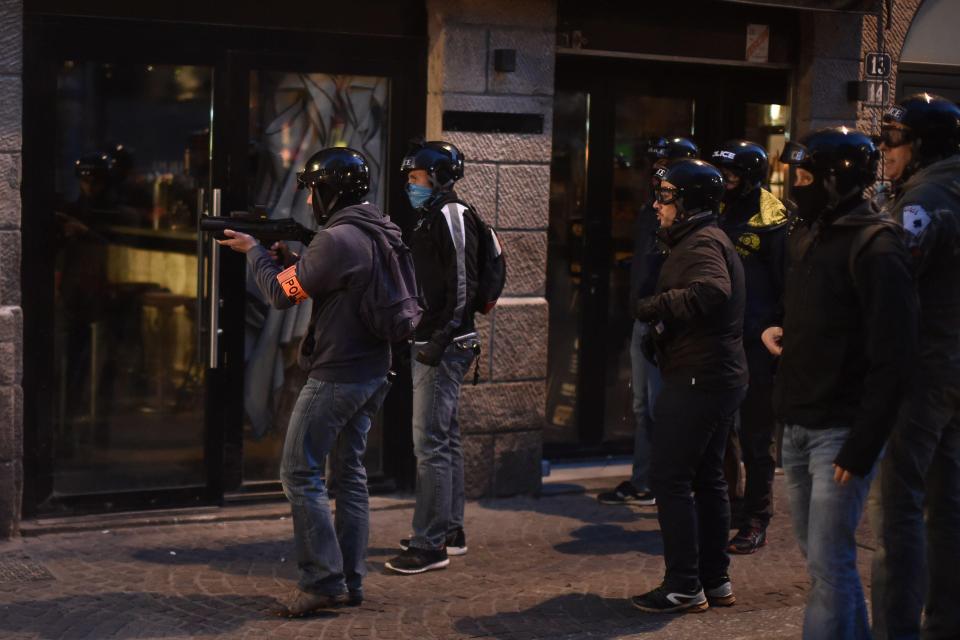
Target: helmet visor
column 892, row 137
column 794, row 153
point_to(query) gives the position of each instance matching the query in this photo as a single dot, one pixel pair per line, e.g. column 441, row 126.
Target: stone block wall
column 11, row 317
column 829, row 58
column 508, row 180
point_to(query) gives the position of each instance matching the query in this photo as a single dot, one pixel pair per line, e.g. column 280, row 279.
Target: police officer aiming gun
column 348, row 367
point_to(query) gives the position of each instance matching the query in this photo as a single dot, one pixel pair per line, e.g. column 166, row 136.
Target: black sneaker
column 415, row 560
column 627, row 493
column 456, row 543
column 663, row 600
column 719, row 592
column 748, row 540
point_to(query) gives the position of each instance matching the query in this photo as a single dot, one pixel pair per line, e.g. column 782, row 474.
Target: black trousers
column 689, row 438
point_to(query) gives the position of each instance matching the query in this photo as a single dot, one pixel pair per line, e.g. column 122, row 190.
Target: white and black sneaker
column 456, row 543
column 719, row 592
column 413, row 560
column 626, row 493
column 663, row 600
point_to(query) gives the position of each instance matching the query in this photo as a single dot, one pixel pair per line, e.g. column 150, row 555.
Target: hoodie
column 928, row 207
column 334, row 271
column 849, row 331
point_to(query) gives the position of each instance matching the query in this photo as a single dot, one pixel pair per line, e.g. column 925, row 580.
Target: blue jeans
column 437, row 445
column 825, row 518
column 646, row 385
column 330, row 417
column 915, row 567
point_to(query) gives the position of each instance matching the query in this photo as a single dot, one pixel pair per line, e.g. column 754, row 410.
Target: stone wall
column 829, row 59
column 11, row 319
column 508, row 180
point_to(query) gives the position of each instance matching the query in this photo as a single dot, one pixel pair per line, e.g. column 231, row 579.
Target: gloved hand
column 430, row 354
column 646, row 309
column 647, row 348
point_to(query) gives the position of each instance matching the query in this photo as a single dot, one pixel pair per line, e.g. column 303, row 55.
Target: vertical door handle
column 214, row 287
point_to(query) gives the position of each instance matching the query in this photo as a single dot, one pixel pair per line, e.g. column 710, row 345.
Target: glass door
column 131, row 163
column 292, row 115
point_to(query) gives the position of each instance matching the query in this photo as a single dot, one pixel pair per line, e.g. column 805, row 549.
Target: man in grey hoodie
column 348, row 367
column 915, row 568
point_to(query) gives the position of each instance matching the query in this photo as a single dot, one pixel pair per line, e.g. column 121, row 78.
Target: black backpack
column 390, row 305
column 491, row 266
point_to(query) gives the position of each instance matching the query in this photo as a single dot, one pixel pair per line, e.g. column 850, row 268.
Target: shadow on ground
column 577, row 506
column 133, row 615
column 590, row 615
column 611, row 539
column 265, row 558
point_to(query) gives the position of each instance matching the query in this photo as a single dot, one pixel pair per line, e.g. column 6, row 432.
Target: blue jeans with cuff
column 330, row 418
column 437, row 445
column 645, row 379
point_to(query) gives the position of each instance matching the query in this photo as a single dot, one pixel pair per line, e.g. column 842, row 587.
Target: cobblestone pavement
column 549, row 567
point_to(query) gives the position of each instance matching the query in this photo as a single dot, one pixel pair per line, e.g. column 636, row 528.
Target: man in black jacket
column 348, row 368
column 696, row 314
column 916, row 569
column 444, row 246
column 645, row 377
column 849, row 334
column 756, row 222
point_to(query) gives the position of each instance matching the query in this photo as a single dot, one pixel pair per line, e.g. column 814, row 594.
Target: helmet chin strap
column 321, row 210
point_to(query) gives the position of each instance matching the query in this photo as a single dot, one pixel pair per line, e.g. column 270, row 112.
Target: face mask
column 418, row 195
column 812, row 200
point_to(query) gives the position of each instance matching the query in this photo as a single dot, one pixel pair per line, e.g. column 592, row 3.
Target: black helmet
column 747, row 160
column 97, row 164
column 671, row 149
column 933, row 126
column 442, row 161
column 843, row 163
column 339, row 177
column 699, row 187
column 847, row 155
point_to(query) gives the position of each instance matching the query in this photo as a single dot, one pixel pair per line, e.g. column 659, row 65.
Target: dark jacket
column 334, row 271
column 849, row 331
column 699, row 301
column 648, row 255
column 444, row 246
column 757, row 226
column 928, row 207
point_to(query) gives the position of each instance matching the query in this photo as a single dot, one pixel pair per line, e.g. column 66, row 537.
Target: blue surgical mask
column 418, row 195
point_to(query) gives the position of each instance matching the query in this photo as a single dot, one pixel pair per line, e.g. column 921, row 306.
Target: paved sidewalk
column 560, row 566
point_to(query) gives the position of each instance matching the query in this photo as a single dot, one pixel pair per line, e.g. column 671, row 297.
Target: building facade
column 137, row 366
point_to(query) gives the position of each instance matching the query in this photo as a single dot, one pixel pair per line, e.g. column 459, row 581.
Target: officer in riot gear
column 696, row 314
column 348, row 369
column 848, row 338
column 445, row 244
column 920, row 472
column 756, row 222
column 645, row 377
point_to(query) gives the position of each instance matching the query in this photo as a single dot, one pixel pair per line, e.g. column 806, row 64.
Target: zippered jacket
column 444, row 245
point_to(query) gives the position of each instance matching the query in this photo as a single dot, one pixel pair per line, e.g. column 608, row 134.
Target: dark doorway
column 605, row 111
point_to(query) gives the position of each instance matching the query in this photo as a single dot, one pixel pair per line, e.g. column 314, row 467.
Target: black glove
column 645, row 310
column 647, row 348
column 430, row 354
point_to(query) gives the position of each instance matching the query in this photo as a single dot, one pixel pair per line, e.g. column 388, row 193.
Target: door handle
column 214, row 287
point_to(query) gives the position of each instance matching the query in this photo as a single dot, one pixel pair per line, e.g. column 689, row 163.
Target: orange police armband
column 291, row 284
